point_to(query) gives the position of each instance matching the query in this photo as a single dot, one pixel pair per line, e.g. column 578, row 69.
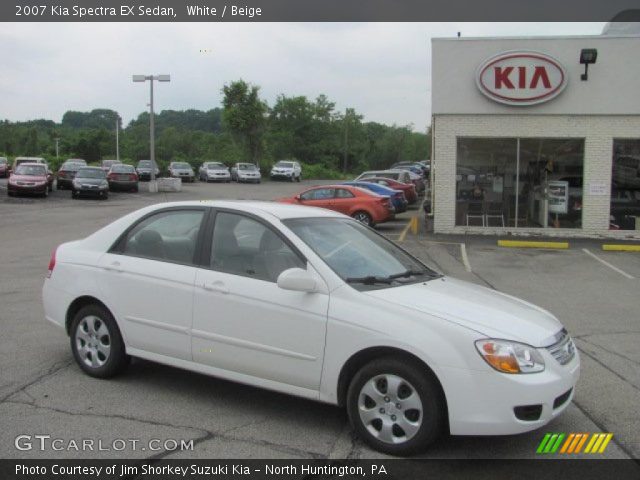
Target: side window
column 318, row 194
column 246, row 247
column 168, row 236
column 343, row 193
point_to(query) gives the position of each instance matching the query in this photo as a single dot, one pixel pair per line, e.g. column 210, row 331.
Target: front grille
column 561, row 400
column 563, row 350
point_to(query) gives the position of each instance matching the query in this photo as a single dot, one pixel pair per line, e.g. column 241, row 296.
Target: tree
column 244, row 116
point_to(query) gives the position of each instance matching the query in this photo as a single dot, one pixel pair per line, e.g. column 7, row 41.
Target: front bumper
column 91, row 192
column 218, row 178
column 483, row 402
column 28, row 189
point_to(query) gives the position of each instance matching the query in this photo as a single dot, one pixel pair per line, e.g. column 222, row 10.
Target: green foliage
column 330, row 144
column 244, row 117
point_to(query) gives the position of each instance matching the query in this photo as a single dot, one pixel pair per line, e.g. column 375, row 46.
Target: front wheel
column 395, row 406
column 96, row 342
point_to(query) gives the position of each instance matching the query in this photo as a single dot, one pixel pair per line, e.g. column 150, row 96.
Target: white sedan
column 312, row 303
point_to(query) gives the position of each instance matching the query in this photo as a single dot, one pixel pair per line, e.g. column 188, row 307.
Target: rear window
column 122, row 169
column 90, row 173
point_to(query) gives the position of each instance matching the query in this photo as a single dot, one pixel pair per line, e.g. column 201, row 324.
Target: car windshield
column 31, row 170
column 122, row 169
column 144, row 163
column 108, row 163
column 3, row 161
column 360, row 256
column 216, row 166
column 90, row 173
column 284, row 165
column 182, row 165
column 246, row 166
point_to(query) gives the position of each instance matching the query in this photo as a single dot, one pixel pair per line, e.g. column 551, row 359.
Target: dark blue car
column 397, row 197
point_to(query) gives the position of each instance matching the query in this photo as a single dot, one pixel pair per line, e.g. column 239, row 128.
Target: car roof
column 281, row 211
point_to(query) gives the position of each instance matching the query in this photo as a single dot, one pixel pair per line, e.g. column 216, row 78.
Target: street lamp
column 160, row 78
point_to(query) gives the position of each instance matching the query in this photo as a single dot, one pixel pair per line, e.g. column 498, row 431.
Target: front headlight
column 104, row 184
column 510, row 357
column 76, row 183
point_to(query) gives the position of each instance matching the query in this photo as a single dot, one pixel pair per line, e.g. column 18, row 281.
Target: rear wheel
column 363, row 217
column 395, row 406
column 96, row 342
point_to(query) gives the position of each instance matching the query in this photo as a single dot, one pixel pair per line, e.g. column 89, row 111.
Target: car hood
column 29, row 178
column 486, row 311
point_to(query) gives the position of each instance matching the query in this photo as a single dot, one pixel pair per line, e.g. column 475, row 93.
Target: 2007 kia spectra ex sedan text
column 310, row 302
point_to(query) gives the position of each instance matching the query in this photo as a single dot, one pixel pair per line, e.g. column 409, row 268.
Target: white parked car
column 214, row 172
column 245, row 172
column 182, row 170
column 287, row 169
column 310, row 302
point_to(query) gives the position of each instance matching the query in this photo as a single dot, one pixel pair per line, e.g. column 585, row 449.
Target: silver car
column 214, row 172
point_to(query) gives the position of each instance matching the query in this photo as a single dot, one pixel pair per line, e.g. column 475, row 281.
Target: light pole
column 152, row 147
column 118, row 138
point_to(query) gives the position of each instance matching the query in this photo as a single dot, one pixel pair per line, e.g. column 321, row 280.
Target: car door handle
column 215, row 287
column 113, row 267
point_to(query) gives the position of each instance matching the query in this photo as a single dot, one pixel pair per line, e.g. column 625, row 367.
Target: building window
column 625, row 185
column 519, row 182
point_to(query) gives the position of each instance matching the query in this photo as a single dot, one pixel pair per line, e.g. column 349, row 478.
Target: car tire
column 299, row 178
column 96, row 342
column 45, row 194
column 74, row 194
column 363, row 217
column 395, row 406
column 10, row 193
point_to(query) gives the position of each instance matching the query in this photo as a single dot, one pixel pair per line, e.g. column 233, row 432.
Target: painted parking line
column 621, row 247
column 463, row 252
column 612, row 267
column 532, row 244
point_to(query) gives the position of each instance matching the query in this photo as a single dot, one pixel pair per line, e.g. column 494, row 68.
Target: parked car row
column 374, row 197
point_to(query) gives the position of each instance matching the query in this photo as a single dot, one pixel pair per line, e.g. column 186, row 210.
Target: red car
column 29, row 178
column 363, row 205
column 409, row 189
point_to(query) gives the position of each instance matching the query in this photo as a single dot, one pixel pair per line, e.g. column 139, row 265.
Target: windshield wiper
column 369, row 280
column 412, row 273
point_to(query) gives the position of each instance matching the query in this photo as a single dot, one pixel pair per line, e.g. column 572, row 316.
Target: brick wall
column 598, row 132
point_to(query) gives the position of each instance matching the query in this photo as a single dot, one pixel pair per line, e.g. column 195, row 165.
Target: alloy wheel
column 93, row 341
column 390, row 408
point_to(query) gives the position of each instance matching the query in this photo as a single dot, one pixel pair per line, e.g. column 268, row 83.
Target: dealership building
column 536, row 135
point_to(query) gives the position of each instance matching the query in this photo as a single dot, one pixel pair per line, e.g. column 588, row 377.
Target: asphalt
column 42, row 391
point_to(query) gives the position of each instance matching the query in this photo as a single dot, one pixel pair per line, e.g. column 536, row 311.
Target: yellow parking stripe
column 621, row 247
column 532, row 244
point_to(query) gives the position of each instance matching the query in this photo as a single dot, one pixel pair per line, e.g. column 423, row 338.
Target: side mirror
column 298, row 198
column 298, row 280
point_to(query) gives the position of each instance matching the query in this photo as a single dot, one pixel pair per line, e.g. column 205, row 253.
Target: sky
column 383, row 70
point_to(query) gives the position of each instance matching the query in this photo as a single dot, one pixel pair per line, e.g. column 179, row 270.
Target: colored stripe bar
column 567, row 442
column 596, row 446
column 532, row 244
column 582, row 440
column 550, row 443
column 543, row 443
column 594, row 437
column 555, row 447
column 605, row 442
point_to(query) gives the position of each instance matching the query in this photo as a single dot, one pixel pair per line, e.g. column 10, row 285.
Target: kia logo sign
column 521, row 78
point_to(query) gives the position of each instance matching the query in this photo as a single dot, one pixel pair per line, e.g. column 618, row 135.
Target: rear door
column 343, row 201
column 148, row 279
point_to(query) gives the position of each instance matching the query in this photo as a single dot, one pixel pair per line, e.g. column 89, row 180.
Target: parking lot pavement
column 598, row 305
column 42, row 391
